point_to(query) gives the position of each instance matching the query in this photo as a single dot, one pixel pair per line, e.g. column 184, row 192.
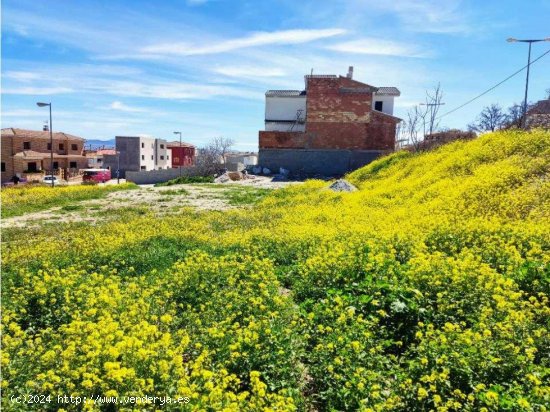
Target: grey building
column 137, row 153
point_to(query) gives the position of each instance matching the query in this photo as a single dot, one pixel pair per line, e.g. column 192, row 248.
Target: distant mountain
column 99, row 144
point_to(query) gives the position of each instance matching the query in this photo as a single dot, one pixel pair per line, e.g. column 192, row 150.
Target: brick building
column 28, row 152
column 335, row 125
column 183, row 155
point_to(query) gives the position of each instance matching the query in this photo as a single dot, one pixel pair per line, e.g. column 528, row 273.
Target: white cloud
column 377, row 46
column 22, row 76
column 283, row 37
column 249, row 71
column 429, row 16
column 37, row 90
column 116, row 105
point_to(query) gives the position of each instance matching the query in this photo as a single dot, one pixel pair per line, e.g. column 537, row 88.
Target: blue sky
column 202, row 66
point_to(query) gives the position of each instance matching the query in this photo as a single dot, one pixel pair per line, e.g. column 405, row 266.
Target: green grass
column 71, row 208
column 187, row 180
column 176, row 192
column 243, row 195
column 23, row 200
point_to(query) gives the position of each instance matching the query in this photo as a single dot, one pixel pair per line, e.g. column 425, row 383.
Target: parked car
column 97, row 175
column 48, row 180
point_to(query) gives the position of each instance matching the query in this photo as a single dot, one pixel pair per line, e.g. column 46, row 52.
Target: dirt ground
column 160, row 200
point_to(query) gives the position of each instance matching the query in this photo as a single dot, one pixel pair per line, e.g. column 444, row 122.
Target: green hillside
column 427, row 289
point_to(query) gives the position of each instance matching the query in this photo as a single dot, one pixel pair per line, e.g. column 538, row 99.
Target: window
column 3, row 166
column 72, row 165
column 142, row 157
column 152, row 158
column 142, row 145
column 61, row 146
column 162, row 146
column 161, row 157
column 55, row 165
column 31, row 167
column 142, row 168
column 167, row 157
column 378, row 106
column 26, row 145
column 49, row 146
column 99, row 160
column 74, row 147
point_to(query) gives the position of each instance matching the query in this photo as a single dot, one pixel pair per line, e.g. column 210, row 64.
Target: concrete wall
column 129, row 149
column 159, row 176
column 316, row 162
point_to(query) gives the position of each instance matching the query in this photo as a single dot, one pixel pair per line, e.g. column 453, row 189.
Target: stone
column 283, row 171
column 342, row 185
column 257, row 170
column 222, row 178
column 234, row 176
column 266, row 171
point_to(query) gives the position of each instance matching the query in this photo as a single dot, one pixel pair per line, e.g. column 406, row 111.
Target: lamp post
column 179, row 154
column 39, row 104
column 512, row 40
column 117, row 167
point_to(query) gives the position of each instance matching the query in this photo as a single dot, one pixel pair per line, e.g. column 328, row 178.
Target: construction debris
column 342, row 185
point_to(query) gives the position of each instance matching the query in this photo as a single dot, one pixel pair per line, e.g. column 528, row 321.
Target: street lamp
column 179, row 153
column 512, row 40
column 39, row 104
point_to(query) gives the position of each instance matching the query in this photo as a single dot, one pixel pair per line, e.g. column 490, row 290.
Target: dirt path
column 147, row 198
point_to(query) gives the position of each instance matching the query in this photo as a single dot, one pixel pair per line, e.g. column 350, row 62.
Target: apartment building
column 26, row 152
column 139, row 153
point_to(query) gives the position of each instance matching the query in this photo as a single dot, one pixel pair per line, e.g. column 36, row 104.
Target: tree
column 414, row 117
column 211, row 157
column 514, row 116
column 490, row 119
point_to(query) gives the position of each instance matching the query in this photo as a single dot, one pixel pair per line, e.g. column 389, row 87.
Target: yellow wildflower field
column 426, row 289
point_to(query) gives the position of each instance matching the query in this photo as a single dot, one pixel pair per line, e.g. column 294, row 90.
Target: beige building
column 28, row 152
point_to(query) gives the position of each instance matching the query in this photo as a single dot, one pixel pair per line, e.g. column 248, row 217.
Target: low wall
column 159, row 176
column 321, row 162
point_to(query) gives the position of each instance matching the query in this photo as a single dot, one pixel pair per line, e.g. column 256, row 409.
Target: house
column 336, row 124
column 28, row 152
column 137, row 153
column 95, row 157
column 539, row 115
column 182, row 155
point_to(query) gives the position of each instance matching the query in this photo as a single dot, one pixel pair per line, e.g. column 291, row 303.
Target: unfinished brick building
column 335, row 125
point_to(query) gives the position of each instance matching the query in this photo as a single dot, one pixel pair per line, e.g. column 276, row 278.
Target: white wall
column 387, row 103
column 283, row 108
column 147, row 152
column 285, row 127
column 162, row 161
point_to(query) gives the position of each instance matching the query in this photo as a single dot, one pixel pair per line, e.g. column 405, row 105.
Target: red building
column 183, row 155
column 335, row 125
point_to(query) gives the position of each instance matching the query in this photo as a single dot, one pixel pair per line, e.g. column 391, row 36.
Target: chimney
column 350, row 73
column 45, row 128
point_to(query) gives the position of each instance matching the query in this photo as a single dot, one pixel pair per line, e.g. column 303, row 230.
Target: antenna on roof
column 311, row 74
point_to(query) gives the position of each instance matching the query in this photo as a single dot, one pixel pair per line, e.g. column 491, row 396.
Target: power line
column 494, row 87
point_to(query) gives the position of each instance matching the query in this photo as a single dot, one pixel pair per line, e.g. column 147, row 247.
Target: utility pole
column 512, row 40
column 432, row 108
